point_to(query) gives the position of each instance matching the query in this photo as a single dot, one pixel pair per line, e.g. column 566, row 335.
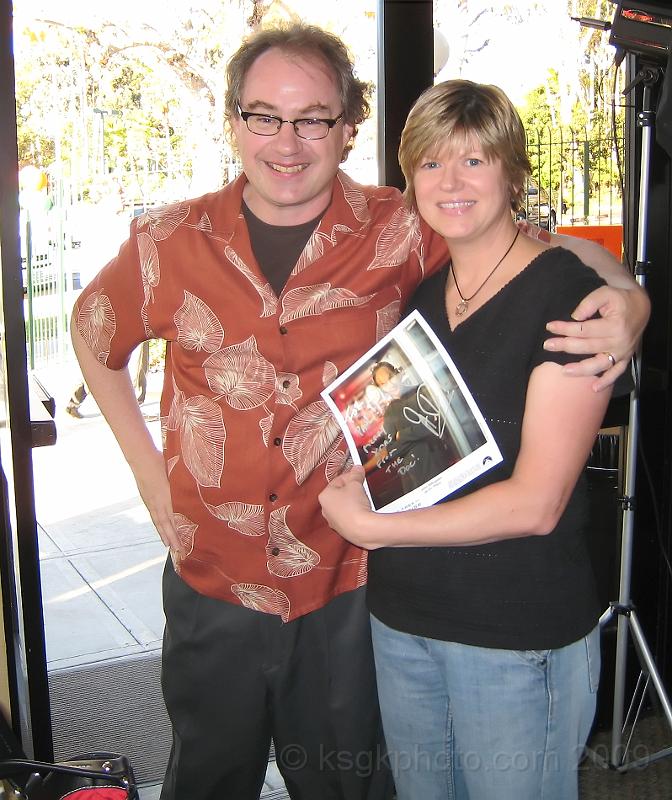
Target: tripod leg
column 617, row 754
column 647, row 660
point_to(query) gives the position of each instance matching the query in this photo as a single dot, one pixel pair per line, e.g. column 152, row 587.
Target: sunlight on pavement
column 152, row 562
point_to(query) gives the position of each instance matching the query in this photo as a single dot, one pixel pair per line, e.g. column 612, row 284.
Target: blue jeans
column 477, row 723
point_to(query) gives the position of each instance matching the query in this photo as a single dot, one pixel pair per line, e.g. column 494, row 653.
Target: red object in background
column 609, row 236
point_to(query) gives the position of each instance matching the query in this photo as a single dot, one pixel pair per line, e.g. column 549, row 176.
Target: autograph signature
column 427, row 412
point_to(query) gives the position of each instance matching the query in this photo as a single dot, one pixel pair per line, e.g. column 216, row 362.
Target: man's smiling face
column 290, row 179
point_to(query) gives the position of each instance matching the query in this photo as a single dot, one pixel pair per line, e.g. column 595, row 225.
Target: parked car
column 537, row 208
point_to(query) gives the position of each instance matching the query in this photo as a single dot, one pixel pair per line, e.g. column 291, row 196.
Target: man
column 264, row 291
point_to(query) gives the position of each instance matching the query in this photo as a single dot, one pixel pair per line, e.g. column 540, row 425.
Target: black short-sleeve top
column 533, row 592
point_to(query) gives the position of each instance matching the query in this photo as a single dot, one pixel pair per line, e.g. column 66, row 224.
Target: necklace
column 463, row 306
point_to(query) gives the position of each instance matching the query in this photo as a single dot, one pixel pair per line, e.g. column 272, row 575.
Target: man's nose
column 286, row 137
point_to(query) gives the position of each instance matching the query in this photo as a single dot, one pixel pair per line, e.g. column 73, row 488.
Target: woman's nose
column 450, row 177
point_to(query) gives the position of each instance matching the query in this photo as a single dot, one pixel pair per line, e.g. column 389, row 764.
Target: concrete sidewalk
column 101, row 558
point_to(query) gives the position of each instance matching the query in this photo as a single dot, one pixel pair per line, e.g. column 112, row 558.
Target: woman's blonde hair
column 457, row 112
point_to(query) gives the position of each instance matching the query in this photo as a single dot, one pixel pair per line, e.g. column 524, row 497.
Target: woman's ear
column 514, row 193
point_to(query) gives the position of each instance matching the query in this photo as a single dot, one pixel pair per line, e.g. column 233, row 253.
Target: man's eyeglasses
column 269, row 125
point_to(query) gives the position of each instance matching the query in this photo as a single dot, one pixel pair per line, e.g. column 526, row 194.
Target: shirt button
column 273, row 497
column 285, row 384
column 283, row 330
column 275, row 551
column 277, row 441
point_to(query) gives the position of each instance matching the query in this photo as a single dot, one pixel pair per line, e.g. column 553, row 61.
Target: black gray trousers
column 235, row 679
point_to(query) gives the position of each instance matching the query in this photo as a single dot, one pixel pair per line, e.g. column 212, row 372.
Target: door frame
column 19, row 557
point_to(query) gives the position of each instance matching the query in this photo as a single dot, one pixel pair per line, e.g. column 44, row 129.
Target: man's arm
column 115, row 396
column 599, row 258
column 623, row 308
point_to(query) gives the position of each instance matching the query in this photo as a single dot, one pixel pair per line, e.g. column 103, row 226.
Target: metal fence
column 580, row 173
column 50, row 281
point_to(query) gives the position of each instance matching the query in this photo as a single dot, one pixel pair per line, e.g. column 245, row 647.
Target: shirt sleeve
column 110, row 312
column 564, row 283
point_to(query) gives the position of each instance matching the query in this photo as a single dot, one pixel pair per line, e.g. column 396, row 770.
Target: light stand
column 623, row 609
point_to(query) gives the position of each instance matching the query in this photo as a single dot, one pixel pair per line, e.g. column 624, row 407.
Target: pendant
column 461, row 308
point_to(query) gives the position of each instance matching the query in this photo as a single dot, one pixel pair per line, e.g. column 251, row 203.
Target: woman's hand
column 347, row 509
column 616, row 332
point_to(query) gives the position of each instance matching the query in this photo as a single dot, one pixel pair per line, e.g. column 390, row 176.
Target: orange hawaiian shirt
column 248, row 442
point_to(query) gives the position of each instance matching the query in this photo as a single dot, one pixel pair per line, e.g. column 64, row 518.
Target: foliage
column 128, row 99
column 140, row 100
column 574, row 128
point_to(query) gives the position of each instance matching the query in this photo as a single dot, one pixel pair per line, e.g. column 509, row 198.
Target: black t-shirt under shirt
column 277, row 247
column 534, row 592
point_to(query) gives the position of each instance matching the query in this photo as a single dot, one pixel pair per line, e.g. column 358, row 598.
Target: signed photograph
column 410, row 420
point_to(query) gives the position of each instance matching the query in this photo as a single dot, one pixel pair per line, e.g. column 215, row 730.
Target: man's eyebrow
column 261, row 106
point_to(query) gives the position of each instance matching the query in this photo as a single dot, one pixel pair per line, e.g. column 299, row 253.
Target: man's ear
column 347, row 133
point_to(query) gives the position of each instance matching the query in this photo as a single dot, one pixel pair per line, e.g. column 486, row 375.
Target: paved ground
column 100, row 556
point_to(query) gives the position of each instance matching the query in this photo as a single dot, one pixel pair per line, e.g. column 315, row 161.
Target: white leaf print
column 310, row 437
column 263, row 598
column 313, row 250
column 204, row 223
column 397, row 239
column 421, row 256
column 309, row 301
column 354, row 197
column 170, row 464
column 145, row 322
column 266, row 423
column 245, row 518
column 174, row 418
column 362, row 572
column 150, row 273
column 241, row 375
column 387, row 318
column 186, row 530
column 96, row 324
column 264, row 290
column 338, row 228
column 337, row 462
column 291, row 393
column 149, row 263
column 197, row 326
column 286, row 556
column 329, row 373
column 202, row 437
column 162, row 222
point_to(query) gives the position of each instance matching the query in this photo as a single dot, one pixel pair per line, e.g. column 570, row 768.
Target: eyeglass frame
column 245, row 115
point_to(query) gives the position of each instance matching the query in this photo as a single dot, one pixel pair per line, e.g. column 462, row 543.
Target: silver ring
column 612, row 360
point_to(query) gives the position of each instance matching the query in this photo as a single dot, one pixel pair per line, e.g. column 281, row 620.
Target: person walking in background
column 81, row 392
column 264, row 291
column 484, row 606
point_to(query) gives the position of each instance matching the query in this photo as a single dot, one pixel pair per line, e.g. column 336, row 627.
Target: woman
column 484, row 610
